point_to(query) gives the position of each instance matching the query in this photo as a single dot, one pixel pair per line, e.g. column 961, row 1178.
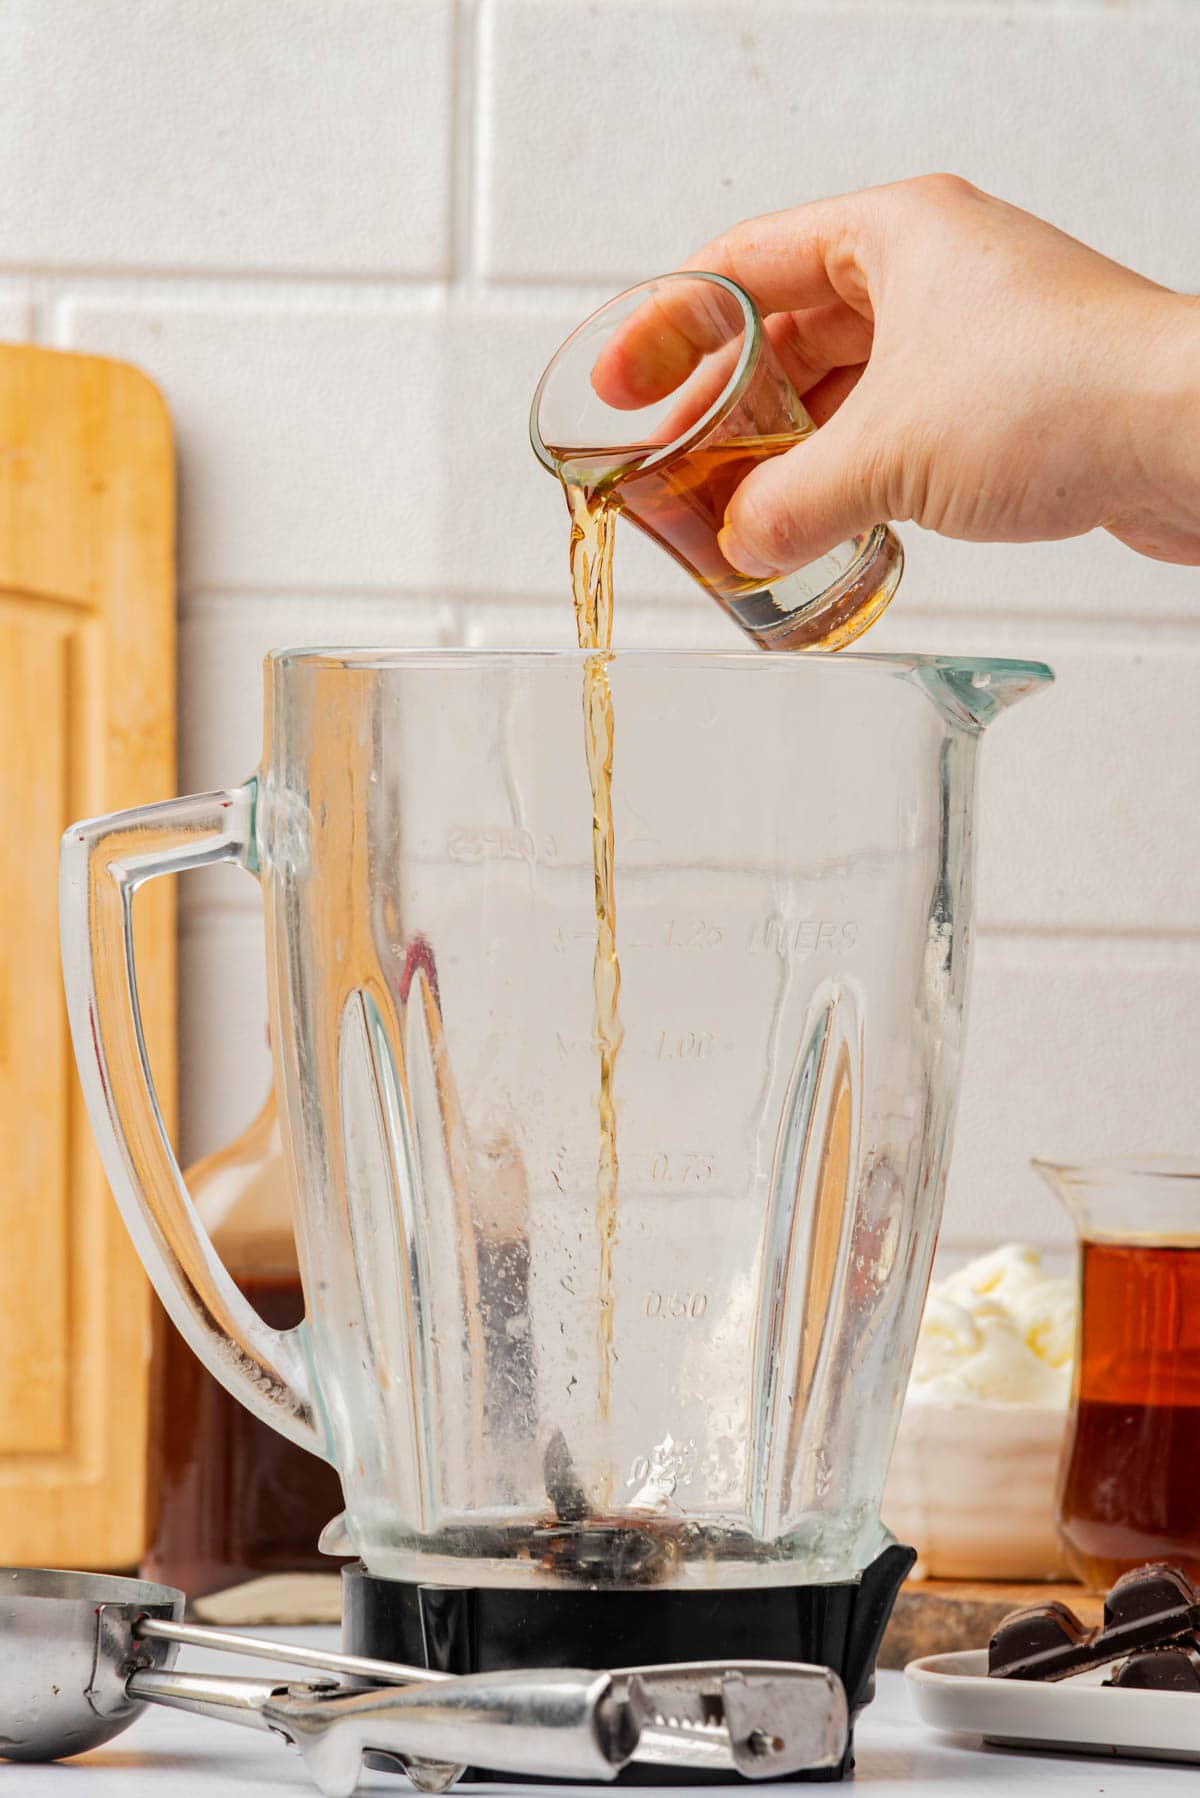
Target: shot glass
column 659, row 405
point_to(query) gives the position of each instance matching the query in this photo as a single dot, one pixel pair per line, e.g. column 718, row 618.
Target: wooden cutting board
column 87, row 709
column 938, row 1616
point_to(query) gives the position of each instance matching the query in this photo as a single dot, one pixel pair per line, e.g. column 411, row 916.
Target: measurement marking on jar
column 490, row 842
column 682, row 1167
column 655, row 1175
column 804, row 936
column 686, row 1045
column 668, row 1465
column 564, row 939
column 681, row 1306
column 693, row 933
column 499, row 843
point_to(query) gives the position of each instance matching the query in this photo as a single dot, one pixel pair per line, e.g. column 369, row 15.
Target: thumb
column 795, row 507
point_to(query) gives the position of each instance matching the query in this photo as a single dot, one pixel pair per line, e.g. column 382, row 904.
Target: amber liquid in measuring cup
column 1130, row 1487
column 231, row 1499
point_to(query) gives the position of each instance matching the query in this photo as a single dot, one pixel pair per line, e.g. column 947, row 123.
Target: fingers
column 810, row 347
column 661, row 343
column 701, row 391
column 806, row 256
column 809, row 257
column 811, row 344
column 824, row 398
column 797, row 506
column 642, row 356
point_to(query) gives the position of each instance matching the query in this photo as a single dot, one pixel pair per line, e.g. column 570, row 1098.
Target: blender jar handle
column 104, row 861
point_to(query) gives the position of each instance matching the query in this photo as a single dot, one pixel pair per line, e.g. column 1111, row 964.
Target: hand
column 974, row 370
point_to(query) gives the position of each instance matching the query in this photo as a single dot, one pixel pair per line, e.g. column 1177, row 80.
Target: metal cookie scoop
column 761, row 1719
column 88, row 1650
column 80, row 1646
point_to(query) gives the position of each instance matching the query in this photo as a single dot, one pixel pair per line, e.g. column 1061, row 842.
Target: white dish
column 953, row 1692
column 972, row 1488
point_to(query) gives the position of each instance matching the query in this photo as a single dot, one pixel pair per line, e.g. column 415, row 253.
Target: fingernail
column 739, row 557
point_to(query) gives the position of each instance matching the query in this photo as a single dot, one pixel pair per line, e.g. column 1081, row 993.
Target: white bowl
column 972, row 1488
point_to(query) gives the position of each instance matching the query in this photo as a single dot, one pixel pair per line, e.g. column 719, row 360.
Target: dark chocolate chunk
column 1150, row 1607
column 1151, row 1594
column 1174, row 1669
column 1035, row 1638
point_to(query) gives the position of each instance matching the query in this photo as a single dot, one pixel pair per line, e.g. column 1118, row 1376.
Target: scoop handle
column 103, row 863
column 347, row 1666
column 557, row 1723
column 224, row 1697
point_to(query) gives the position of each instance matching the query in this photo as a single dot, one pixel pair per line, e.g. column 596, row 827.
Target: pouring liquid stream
column 680, row 503
column 592, row 524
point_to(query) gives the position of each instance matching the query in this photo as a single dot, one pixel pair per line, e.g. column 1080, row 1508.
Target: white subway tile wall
column 17, row 314
column 693, row 112
column 344, row 235
column 283, row 136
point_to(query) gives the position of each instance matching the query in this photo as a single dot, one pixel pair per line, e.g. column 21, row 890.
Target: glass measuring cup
column 1129, row 1488
column 793, row 853
column 694, row 397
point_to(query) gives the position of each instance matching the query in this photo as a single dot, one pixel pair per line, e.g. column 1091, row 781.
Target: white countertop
column 181, row 1756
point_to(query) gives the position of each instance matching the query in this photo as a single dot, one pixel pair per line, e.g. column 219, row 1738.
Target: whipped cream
column 1001, row 1330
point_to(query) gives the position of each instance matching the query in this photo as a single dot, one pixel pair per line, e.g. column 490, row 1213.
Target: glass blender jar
column 553, row 1452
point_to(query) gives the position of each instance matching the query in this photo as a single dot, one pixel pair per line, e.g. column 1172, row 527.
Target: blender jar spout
column 973, row 691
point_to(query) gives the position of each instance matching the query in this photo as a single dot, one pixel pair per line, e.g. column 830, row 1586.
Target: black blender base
column 473, row 1629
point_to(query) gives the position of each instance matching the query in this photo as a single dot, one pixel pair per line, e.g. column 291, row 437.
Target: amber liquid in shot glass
column 681, row 502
